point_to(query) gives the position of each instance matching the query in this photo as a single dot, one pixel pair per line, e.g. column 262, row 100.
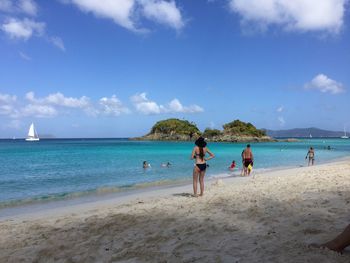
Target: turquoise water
column 54, row 169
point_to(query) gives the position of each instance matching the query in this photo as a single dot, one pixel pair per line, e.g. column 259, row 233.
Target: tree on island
column 240, row 128
column 210, row 133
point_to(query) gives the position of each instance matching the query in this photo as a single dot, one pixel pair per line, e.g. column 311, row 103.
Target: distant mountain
column 304, row 132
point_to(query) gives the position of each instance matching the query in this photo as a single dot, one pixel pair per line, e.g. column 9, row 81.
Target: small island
column 172, row 130
column 237, row 131
column 183, row 130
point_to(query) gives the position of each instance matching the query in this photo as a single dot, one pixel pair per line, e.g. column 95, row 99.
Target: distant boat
column 345, row 136
column 310, row 135
column 32, row 134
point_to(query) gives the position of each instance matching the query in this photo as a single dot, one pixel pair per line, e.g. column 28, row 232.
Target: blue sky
column 111, row 68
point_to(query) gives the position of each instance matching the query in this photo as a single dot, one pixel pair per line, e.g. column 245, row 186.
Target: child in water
column 233, row 165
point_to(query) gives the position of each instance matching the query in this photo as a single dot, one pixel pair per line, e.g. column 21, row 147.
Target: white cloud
column 7, row 104
column 163, row 12
column 38, row 111
column 300, row 15
column 146, row 106
column 280, row 109
column 58, row 99
column 57, row 103
column 5, row 109
column 24, row 56
column 112, row 106
column 176, row 106
column 325, row 84
column 6, row 98
column 28, row 7
column 281, row 121
column 23, row 29
column 57, row 42
column 10, row 106
column 127, row 13
column 120, row 11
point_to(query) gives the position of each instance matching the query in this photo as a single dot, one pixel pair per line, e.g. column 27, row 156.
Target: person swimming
column 145, row 165
column 167, row 164
column 198, row 153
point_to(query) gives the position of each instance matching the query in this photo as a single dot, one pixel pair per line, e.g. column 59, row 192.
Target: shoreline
column 268, row 217
column 161, row 188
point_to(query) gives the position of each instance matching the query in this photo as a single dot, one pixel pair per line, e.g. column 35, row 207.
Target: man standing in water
column 311, row 154
column 248, row 159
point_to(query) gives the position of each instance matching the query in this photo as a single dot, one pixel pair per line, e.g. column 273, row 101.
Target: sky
column 112, row 68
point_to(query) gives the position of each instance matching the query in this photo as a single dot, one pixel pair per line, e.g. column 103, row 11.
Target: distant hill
column 304, row 132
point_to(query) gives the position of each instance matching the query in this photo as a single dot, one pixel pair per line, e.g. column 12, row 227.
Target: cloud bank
column 57, row 104
column 296, row 15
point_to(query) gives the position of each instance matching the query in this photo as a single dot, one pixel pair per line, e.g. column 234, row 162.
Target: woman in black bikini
column 198, row 153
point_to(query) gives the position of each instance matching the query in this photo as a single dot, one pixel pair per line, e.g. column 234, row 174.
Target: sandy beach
column 270, row 217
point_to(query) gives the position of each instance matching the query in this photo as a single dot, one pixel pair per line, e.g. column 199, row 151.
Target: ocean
column 55, row 169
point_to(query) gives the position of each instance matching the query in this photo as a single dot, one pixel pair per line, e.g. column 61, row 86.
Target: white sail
column 32, row 135
column 31, row 132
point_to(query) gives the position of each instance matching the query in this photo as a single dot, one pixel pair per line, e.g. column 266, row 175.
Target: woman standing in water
column 311, row 155
column 198, row 153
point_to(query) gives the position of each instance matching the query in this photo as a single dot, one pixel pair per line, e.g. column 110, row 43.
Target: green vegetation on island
column 241, row 128
column 183, row 130
column 236, row 131
column 210, row 133
column 175, row 126
column 172, row 130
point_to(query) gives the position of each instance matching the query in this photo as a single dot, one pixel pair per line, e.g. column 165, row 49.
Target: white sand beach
column 270, row 217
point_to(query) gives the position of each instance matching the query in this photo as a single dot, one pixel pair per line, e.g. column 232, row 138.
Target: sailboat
column 32, row 134
column 345, row 136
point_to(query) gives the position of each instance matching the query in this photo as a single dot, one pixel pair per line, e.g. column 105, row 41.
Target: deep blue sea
column 53, row 169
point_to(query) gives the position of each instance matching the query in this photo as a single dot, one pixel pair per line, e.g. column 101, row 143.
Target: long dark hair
column 201, row 153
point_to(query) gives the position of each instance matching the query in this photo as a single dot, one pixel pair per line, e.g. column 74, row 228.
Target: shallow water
column 56, row 169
